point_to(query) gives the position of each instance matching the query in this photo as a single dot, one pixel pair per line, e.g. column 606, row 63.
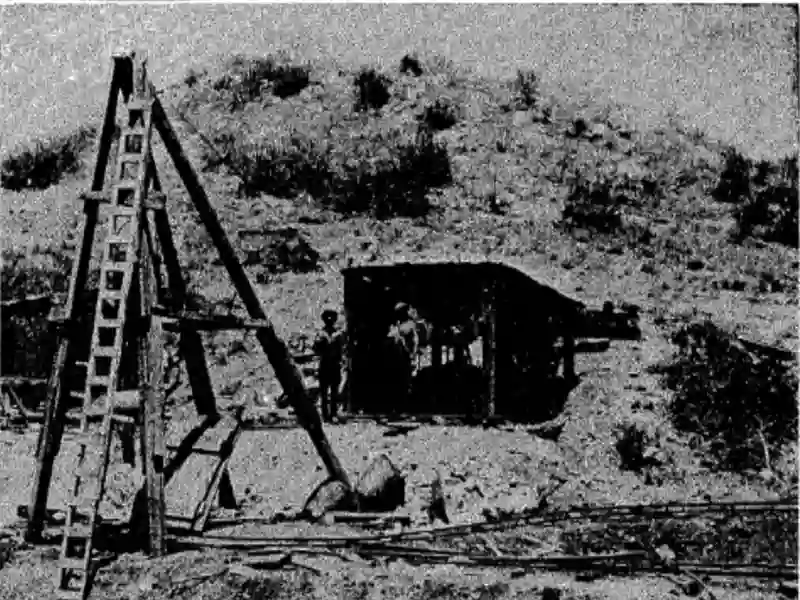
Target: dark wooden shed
column 495, row 341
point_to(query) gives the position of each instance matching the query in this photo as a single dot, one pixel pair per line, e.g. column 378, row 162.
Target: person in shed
column 404, row 340
column 329, row 346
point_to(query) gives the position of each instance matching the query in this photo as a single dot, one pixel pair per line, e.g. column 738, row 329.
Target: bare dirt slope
column 689, row 269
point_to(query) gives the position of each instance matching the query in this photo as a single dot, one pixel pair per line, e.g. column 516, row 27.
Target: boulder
column 381, row 488
column 330, row 495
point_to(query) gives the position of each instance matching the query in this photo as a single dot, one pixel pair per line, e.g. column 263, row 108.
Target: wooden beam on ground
column 204, row 508
column 275, row 349
column 52, row 428
column 184, row 449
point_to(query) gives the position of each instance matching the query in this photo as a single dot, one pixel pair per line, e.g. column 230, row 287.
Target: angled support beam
column 152, row 401
column 190, row 343
column 52, row 429
column 275, row 349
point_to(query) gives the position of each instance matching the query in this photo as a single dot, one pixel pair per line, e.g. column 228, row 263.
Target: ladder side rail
column 120, row 254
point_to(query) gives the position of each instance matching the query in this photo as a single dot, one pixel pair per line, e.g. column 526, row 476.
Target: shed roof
column 496, row 270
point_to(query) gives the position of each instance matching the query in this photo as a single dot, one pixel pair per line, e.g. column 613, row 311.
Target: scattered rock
column 381, row 487
column 330, row 495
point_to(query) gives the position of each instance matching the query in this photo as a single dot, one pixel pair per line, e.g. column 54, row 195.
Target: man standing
column 405, row 340
column 330, row 346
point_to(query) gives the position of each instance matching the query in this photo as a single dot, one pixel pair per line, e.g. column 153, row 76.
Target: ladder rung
column 101, row 322
column 108, row 351
column 99, row 379
column 99, row 197
column 73, row 564
column 128, row 156
column 82, row 505
column 155, row 201
column 139, row 104
column 89, row 438
column 110, row 295
column 78, row 531
column 203, row 451
column 69, row 594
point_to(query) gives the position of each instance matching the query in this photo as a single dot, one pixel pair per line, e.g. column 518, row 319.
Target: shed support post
column 490, row 348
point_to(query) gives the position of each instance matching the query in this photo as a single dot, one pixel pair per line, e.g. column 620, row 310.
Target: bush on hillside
column 46, row 162
column 28, row 343
column 593, row 205
column 282, row 168
column 391, row 175
column 736, row 399
column 527, row 89
column 765, row 194
column 411, row 64
column 440, row 115
column 770, row 211
column 734, row 181
column 372, row 90
column 383, row 173
column 247, row 78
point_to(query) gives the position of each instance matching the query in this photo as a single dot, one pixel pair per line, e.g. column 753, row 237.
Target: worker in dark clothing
column 329, row 346
column 404, row 340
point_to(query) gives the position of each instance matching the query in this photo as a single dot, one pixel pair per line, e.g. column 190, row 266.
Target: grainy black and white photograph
column 418, row 301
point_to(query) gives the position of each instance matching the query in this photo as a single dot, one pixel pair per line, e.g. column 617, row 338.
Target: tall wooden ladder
column 99, row 414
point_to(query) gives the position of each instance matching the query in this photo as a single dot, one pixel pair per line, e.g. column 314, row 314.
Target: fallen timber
column 530, row 518
column 629, row 561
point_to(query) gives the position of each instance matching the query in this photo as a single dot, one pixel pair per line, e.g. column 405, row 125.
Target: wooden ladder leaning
column 100, row 411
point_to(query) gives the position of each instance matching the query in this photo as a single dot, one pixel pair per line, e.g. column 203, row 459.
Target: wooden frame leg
column 52, row 428
column 276, row 351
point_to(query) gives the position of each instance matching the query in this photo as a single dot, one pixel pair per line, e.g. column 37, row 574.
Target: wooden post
column 52, row 427
column 150, row 378
column 490, row 357
column 190, row 342
column 568, row 335
column 275, row 349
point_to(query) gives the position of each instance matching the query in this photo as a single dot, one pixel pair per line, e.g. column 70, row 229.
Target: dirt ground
column 274, row 470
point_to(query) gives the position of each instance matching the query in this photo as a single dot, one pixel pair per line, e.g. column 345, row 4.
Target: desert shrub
column 765, row 194
column 383, row 173
column 735, row 398
column 593, row 206
column 440, row 115
column 28, row 344
column 372, row 90
column 393, row 174
column 46, row 162
column 283, row 168
column 734, row 181
column 411, row 64
column 248, row 77
column 770, row 210
column 527, row 89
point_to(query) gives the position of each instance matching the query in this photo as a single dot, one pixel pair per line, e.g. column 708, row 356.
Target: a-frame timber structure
column 133, row 309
